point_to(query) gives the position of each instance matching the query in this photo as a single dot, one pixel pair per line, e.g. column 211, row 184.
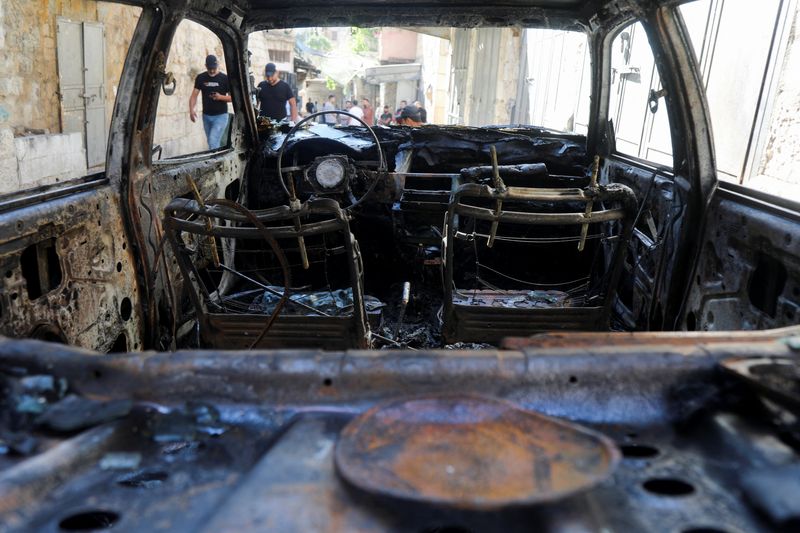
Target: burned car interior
column 447, row 327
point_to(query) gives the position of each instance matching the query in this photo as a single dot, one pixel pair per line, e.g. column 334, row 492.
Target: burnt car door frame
column 692, row 180
column 147, row 187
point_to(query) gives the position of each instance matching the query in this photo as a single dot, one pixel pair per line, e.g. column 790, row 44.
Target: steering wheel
column 331, row 173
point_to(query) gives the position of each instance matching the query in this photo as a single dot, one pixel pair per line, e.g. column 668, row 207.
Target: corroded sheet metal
column 470, row 452
column 776, row 377
column 582, row 339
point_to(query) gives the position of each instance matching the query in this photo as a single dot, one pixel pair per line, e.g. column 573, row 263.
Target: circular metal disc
column 470, row 452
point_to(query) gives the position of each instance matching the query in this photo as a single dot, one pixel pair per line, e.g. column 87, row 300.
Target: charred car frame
column 569, row 282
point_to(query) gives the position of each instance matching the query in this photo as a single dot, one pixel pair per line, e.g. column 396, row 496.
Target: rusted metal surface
column 631, row 340
column 776, row 377
column 470, row 452
column 245, row 441
column 68, row 274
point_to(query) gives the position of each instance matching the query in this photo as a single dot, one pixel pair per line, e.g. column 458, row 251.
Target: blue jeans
column 214, row 125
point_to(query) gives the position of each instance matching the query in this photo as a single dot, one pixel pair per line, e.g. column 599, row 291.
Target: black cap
column 270, row 69
column 211, row 61
column 411, row 112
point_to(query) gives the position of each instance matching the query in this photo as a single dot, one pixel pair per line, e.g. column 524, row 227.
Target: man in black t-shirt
column 216, row 92
column 273, row 93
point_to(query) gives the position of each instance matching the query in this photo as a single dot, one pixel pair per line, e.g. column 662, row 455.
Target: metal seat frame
column 235, row 331
column 475, row 323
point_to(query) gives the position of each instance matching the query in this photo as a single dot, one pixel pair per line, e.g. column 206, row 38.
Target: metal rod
column 273, row 291
column 498, row 205
column 403, row 304
column 590, row 203
column 390, row 341
column 519, row 217
column 202, row 203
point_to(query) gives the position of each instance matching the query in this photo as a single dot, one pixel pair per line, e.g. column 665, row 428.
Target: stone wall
column 120, row 23
column 29, row 87
column 779, row 168
column 175, row 132
column 435, row 77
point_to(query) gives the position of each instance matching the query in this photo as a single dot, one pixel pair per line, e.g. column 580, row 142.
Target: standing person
column 369, row 113
column 409, row 116
column 310, row 108
column 274, row 94
column 353, row 109
column 423, row 115
column 386, row 116
column 344, row 120
column 216, row 90
column 329, row 105
column 397, row 113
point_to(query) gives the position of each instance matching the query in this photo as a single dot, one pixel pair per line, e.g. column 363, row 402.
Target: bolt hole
column 89, row 521
column 327, row 382
column 14, row 296
column 668, row 486
column 691, row 322
column 573, row 379
column 124, row 245
column 9, row 273
column 638, row 451
column 97, row 374
column 119, row 266
column 125, row 308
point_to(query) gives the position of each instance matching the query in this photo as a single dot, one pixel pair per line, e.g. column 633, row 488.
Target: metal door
column 81, row 72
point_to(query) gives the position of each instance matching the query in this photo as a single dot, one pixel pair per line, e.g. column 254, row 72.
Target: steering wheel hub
column 330, row 173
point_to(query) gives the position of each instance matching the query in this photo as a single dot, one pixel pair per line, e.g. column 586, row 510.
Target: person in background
column 344, row 120
column 329, row 105
column 215, row 89
column 310, row 108
column 423, row 115
column 353, row 109
column 273, row 96
column 369, row 113
column 409, row 116
column 397, row 113
column 386, row 117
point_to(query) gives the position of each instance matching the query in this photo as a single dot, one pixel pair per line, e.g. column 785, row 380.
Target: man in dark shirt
column 216, row 90
column 423, row 115
column 386, row 116
column 273, row 93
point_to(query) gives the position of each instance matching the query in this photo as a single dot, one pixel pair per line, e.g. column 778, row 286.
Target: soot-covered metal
column 251, row 441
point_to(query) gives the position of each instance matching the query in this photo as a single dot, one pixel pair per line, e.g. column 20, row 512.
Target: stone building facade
column 35, row 149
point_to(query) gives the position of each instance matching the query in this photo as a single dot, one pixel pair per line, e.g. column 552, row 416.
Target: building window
column 279, row 56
